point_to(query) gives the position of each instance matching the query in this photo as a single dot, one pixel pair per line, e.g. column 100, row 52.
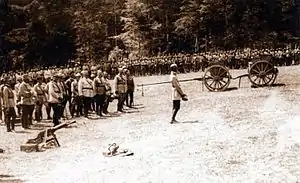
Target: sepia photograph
column 149, row 91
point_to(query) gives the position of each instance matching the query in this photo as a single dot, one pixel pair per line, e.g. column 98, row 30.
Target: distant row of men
column 234, row 59
column 159, row 65
column 85, row 91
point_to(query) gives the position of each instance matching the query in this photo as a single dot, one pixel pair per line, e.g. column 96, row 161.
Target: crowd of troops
column 60, row 91
column 233, row 59
column 86, row 88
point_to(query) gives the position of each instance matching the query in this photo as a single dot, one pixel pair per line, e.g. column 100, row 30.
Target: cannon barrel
column 63, row 125
column 166, row 82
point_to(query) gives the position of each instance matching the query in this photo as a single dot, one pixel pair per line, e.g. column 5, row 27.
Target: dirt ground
column 242, row 135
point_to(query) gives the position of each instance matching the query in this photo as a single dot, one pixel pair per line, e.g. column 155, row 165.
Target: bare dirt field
column 243, row 135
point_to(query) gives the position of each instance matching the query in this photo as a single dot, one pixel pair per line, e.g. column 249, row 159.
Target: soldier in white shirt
column 177, row 93
column 85, row 90
column 18, row 99
column 27, row 103
column 55, row 99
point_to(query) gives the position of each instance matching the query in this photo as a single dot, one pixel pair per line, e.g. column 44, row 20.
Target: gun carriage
column 260, row 73
column 217, row 77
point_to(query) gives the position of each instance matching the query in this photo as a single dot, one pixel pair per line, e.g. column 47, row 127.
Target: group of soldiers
column 84, row 91
column 233, row 59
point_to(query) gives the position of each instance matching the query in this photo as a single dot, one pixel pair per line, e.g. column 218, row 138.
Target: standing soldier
column 85, row 90
column 9, row 106
column 93, row 100
column 63, row 89
column 17, row 86
column 108, row 93
column 99, row 91
column 39, row 94
column 55, row 99
column 27, row 105
column 76, row 101
column 130, row 89
column 177, row 93
column 68, row 83
column 120, row 89
column 1, row 98
column 48, row 107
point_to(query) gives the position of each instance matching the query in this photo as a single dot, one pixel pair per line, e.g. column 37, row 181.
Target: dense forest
column 55, row 32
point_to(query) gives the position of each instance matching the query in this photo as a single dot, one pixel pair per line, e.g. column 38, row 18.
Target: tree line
column 53, row 32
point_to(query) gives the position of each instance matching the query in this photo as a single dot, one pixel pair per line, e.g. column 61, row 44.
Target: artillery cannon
column 217, row 77
column 45, row 139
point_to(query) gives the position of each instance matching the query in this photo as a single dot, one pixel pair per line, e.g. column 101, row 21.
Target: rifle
column 44, row 139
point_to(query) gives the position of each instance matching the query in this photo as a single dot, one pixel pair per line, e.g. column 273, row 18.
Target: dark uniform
column 99, row 91
column 120, row 89
column 130, row 90
column 9, row 107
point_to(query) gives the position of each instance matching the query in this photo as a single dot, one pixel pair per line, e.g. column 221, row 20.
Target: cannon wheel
column 217, row 78
column 262, row 73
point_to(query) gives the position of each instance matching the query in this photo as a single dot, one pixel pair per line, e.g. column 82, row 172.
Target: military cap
column 120, row 69
column 54, row 74
column 25, row 76
column 18, row 78
column 99, row 72
column 85, row 67
column 61, row 75
column 78, row 75
column 84, row 72
column 6, row 78
column 93, row 68
column 173, row 65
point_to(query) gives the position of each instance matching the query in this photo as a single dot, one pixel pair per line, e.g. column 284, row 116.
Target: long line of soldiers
column 159, row 65
column 85, row 91
column 234, row 59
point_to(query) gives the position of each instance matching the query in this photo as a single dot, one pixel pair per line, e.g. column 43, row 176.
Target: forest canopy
column 45, row 33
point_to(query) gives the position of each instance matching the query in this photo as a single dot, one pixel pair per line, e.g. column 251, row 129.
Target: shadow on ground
column 22, row 132
column 9, row 179
column 273, row 85
column 196, row 121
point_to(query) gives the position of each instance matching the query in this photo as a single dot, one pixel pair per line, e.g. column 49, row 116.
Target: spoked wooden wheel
column 262, row 73
column 217, row 78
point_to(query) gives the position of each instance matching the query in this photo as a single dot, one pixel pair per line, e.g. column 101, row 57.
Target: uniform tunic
column 54, row 93
column 130, row 83
column 39, row 93
column 74, row 88
column 8, row 98
column 174, row 80
column 25, row 92
column 85, row 87
column 98, row 86
column 107, row 85
column 120, row 84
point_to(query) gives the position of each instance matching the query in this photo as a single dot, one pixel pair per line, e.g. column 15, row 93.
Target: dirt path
column 242, row 135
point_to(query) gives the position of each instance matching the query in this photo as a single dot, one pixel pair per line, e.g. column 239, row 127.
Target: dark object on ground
column 45, row 139
column 114, row 151
column 1, row 150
